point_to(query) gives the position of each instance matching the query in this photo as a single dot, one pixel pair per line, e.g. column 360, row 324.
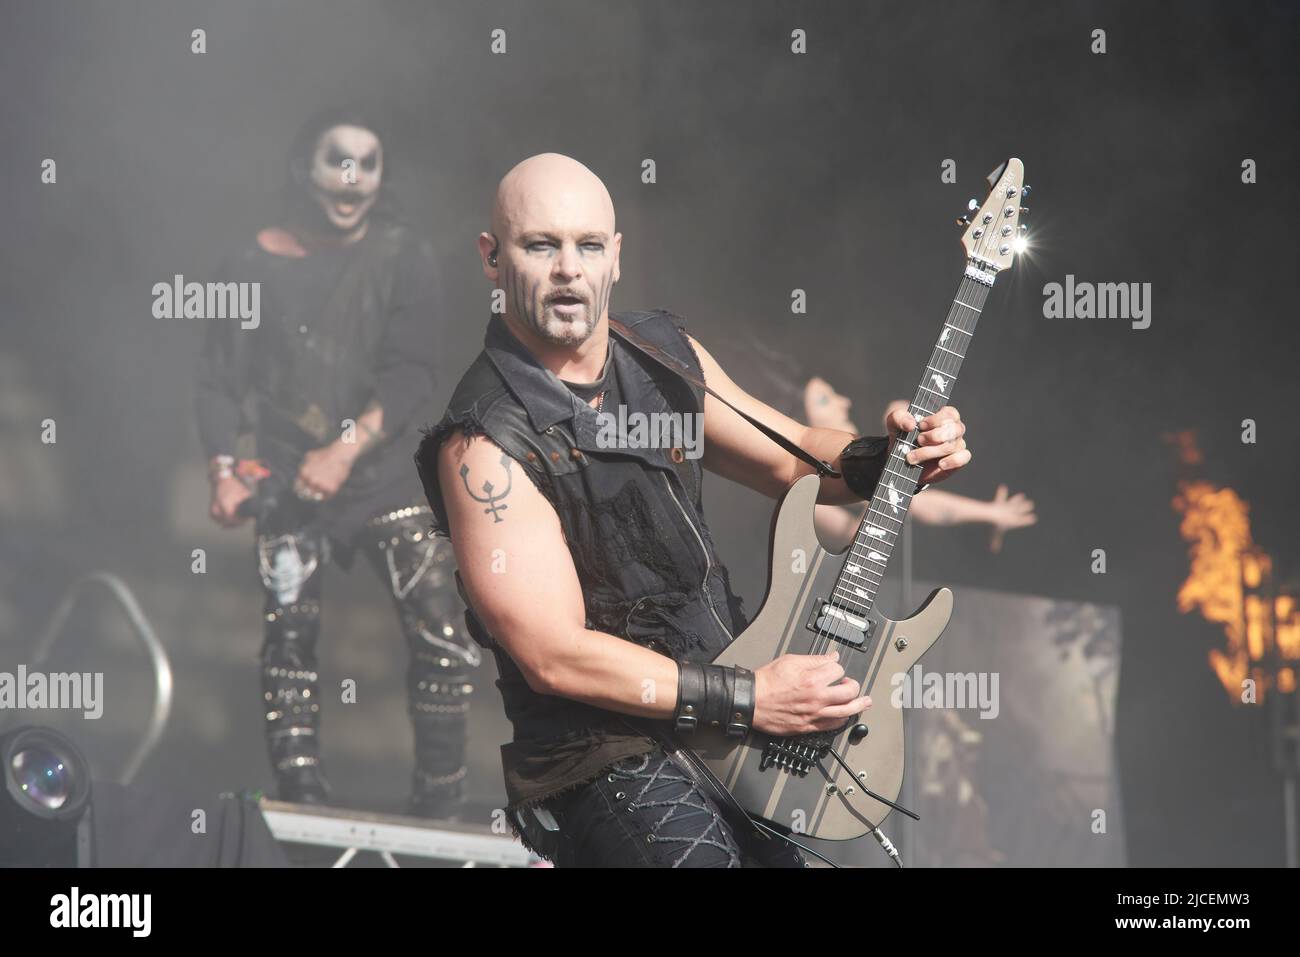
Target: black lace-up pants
column 645, row 811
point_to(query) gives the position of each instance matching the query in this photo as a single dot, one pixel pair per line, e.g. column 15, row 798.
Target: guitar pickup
column 834, row 622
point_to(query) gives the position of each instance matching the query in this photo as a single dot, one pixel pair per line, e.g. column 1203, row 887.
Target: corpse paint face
column 346, row 170
column 825, row 408
column 558, row 251
column 560, row 286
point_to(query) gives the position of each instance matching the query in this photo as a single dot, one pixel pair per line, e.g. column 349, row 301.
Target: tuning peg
column 972, row 204
column 1025, row 191
column 1024, row 210
column 963, row 220
column 1022, row 231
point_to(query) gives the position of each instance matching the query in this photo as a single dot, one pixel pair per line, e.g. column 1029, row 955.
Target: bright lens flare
column 1020, row 244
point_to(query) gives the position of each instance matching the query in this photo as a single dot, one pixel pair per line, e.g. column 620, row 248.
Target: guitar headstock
column 994, row 233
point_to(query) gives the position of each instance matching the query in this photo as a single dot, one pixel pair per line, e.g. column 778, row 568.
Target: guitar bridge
column 796, row 755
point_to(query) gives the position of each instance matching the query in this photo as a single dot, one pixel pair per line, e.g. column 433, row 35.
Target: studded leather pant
column 418, row 569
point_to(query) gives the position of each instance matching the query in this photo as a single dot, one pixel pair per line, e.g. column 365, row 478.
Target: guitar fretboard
column 866, row 560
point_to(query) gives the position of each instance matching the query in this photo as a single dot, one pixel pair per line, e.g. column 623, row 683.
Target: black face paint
column 526, row 306
column 521, row 301
column 604, row 292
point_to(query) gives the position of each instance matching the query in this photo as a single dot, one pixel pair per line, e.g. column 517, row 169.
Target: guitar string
column 839, row 628
column 911, row 473
column 938, row 364
column 852, row 556
column 964, row 288
column 949, row 367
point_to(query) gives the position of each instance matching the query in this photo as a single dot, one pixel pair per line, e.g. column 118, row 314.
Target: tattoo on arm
column 491, row 497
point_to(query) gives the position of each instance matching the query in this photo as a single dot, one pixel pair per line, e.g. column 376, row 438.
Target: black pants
column 645, row 811
column 418, row 570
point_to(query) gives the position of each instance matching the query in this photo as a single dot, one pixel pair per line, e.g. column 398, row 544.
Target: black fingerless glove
column 715, row 695
column 863, row 461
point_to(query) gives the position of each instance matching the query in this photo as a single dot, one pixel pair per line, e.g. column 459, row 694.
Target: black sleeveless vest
column 632, row 516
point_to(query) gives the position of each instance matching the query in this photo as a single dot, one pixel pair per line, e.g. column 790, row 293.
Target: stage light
column 45, row 801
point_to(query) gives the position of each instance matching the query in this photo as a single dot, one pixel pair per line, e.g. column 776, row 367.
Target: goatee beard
column 562, row 332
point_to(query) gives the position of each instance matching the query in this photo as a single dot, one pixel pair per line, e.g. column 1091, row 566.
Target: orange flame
column 1226, row 566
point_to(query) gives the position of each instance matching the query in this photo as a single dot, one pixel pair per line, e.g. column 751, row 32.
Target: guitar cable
column 870, row 793
column 789, row 840
column 876, row 832
column 881, row 838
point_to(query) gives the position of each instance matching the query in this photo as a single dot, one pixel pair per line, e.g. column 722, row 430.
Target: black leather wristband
column 714, row 695
column 690, row 696
column 863, row 461
column 742, row 703
column 717, row 690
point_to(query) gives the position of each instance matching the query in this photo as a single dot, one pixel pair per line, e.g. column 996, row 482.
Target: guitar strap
column 680, row 369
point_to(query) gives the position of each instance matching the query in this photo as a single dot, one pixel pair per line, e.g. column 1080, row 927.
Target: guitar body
column 824, row 801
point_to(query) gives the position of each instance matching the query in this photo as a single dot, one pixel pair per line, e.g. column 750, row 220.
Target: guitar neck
column 868, row 556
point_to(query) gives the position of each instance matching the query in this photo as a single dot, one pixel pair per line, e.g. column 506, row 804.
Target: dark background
column 775, row 172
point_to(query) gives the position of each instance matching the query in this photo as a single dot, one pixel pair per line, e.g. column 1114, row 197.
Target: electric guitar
column 841, row 784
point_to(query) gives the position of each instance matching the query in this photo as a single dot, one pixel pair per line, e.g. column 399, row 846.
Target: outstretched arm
column 837, row 524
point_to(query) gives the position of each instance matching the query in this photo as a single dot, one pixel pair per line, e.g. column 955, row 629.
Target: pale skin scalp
column 553, row 228
column 515, row 563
